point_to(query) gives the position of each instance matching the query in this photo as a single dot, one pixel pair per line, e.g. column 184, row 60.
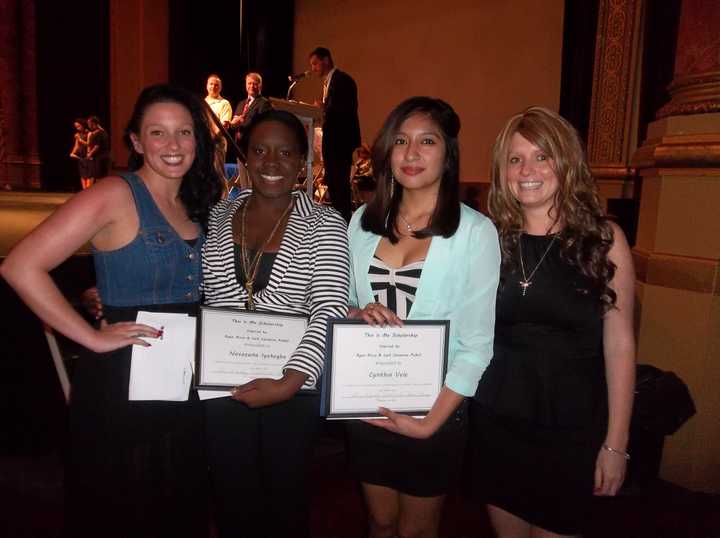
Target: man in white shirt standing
column 219, row 105
column 222, row 109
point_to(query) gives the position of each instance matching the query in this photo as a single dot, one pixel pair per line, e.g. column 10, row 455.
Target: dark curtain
column 73, row 79
column 205, row 41
column 578, row 60
column 661, row 28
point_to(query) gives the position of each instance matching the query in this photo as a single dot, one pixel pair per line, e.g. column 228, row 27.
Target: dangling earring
column 392, row 192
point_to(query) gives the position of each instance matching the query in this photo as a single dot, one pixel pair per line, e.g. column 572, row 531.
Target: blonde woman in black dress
column 553, row 408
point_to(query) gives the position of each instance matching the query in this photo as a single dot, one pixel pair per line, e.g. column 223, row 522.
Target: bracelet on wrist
column 616, row 451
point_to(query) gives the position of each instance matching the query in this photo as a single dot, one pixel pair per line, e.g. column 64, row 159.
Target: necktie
column 325, row 89
column 248, row 102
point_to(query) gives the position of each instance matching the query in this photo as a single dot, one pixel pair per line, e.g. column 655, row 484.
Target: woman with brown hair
column 418, row 253
column 552, row 411
column 133, row 468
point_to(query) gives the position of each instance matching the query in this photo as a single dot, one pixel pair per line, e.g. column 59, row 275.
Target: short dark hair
column 94, row 119
column 281, row 116
column 381, row 212
column 322, row 53
column 201, row 186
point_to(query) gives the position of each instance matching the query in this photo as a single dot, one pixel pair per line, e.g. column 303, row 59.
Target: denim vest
column 157, row 267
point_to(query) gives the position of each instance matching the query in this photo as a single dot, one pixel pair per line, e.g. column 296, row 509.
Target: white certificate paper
column 400, row 368
column 164, row 370
column 237, row 346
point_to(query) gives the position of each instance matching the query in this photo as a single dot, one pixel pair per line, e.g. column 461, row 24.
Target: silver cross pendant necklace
column 526, row 281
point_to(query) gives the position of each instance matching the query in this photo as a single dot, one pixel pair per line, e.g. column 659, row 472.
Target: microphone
column 299, row 76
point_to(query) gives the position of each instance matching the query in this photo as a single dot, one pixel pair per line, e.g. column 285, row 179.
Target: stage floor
column 20, row 212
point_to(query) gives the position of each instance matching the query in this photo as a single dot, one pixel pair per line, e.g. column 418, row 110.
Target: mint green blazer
column 459, row 283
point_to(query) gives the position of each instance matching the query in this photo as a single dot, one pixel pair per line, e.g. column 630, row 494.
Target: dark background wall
column 660, row 41
column 72, row 81
column 200, row 45
column 578, row 59
column 73, row 63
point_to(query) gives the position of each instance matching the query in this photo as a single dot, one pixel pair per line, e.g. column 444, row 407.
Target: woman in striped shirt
column 272, row 249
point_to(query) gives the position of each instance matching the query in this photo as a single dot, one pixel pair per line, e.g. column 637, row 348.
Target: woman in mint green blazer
column 418, row 253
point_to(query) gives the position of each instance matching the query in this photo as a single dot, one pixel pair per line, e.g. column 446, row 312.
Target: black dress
column 137, row 468
column 540, row 412
column 134, row 468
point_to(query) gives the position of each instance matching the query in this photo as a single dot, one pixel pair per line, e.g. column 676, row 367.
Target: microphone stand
column 290, row 89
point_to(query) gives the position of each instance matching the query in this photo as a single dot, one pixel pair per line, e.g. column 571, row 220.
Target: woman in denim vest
column 134, row 468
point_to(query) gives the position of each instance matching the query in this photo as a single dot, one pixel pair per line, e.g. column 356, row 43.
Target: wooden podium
column 308, row 115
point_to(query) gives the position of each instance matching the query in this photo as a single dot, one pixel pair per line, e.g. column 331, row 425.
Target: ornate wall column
column 19, row 157
column 613, row 113
column 677, row 253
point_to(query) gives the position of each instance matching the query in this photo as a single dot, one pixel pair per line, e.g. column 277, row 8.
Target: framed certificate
column 401, row 368
column 236, row 346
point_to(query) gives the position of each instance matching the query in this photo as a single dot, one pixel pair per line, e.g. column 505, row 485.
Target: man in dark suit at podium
column 341, row 128
column 255, row 103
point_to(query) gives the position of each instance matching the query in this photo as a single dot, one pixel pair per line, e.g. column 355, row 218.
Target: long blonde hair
column 586, row 235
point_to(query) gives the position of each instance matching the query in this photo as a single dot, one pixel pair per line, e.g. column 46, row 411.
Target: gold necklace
column 526, row 282
column 251, row 269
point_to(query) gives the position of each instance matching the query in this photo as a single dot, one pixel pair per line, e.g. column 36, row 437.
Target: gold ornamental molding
column 612, row 171
column 677, row 272
column 615, row 78
column 686, row 151
column 693, row 94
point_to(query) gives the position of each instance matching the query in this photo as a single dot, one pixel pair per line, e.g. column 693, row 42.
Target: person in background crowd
column 341, row 128
column 98, row 150
column 217, row 103
column 222, row 111
column 253, row 104
column 79, row 152
column 362, row 183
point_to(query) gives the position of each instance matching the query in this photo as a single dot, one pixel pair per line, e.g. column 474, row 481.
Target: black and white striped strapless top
column 395, row 288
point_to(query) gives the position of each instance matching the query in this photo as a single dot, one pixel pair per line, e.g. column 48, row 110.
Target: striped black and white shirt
column 310, row 275
column 395, row 288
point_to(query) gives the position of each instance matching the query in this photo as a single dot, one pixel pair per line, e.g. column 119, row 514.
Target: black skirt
column 418, row 467
column 544, row 476
column 125, row 457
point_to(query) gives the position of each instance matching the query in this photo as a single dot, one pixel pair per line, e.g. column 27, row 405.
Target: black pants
column 259, row 461
column 337, row 163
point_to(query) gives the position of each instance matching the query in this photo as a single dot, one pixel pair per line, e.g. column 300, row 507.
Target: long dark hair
column 281, row 116
column 201, row 186
column 381, row 212
column 586, row 235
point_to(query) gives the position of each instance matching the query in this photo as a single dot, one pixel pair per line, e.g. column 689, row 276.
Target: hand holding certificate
column 163, row 371
column 400, row 368
column 236, row 347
